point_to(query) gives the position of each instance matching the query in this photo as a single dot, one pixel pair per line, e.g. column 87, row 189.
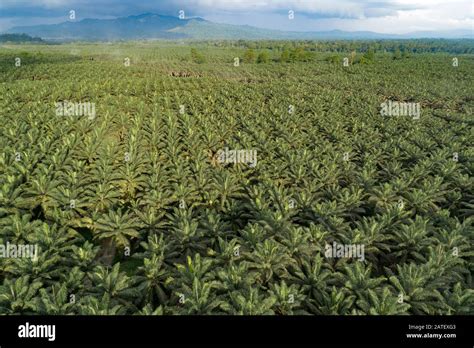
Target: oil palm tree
column 234, row 277
column 90, row 305
column 18, row 296
column 358, row 279
column 334, row 301
column 55, row 301
column 289, row 299
column 199, row 298
column 249, row 301
column 418, row 290
column 268, row 260
column 113, row 283
column 115, row 230
column 152, row 280
column 313, row 276
column 184, row 232
column 17, row 228
column 39, row 192
column 382, row 303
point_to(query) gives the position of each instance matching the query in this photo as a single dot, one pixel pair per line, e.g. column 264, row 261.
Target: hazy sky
column 384, row 16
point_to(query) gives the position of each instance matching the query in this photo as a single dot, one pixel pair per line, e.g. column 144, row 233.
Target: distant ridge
column 19, row 38
column 154, row 26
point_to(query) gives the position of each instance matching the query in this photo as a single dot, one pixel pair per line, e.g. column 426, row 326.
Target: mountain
column 154, row 26
column 145, row 26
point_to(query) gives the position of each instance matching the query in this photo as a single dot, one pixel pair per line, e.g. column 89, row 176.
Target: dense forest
column 459, row 46
column 19, row 38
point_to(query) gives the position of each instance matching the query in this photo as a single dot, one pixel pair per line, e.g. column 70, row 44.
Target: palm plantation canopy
column 133, row 214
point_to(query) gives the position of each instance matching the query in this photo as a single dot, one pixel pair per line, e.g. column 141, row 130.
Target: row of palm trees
column 133, row 216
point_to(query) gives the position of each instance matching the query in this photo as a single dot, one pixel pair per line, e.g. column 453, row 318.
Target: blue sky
column 384, row 16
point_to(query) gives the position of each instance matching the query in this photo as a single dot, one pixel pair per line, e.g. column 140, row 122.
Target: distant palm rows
column 133, row 214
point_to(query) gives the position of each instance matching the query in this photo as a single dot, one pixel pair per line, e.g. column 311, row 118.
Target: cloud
column 396, row 16
column 326, row 8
